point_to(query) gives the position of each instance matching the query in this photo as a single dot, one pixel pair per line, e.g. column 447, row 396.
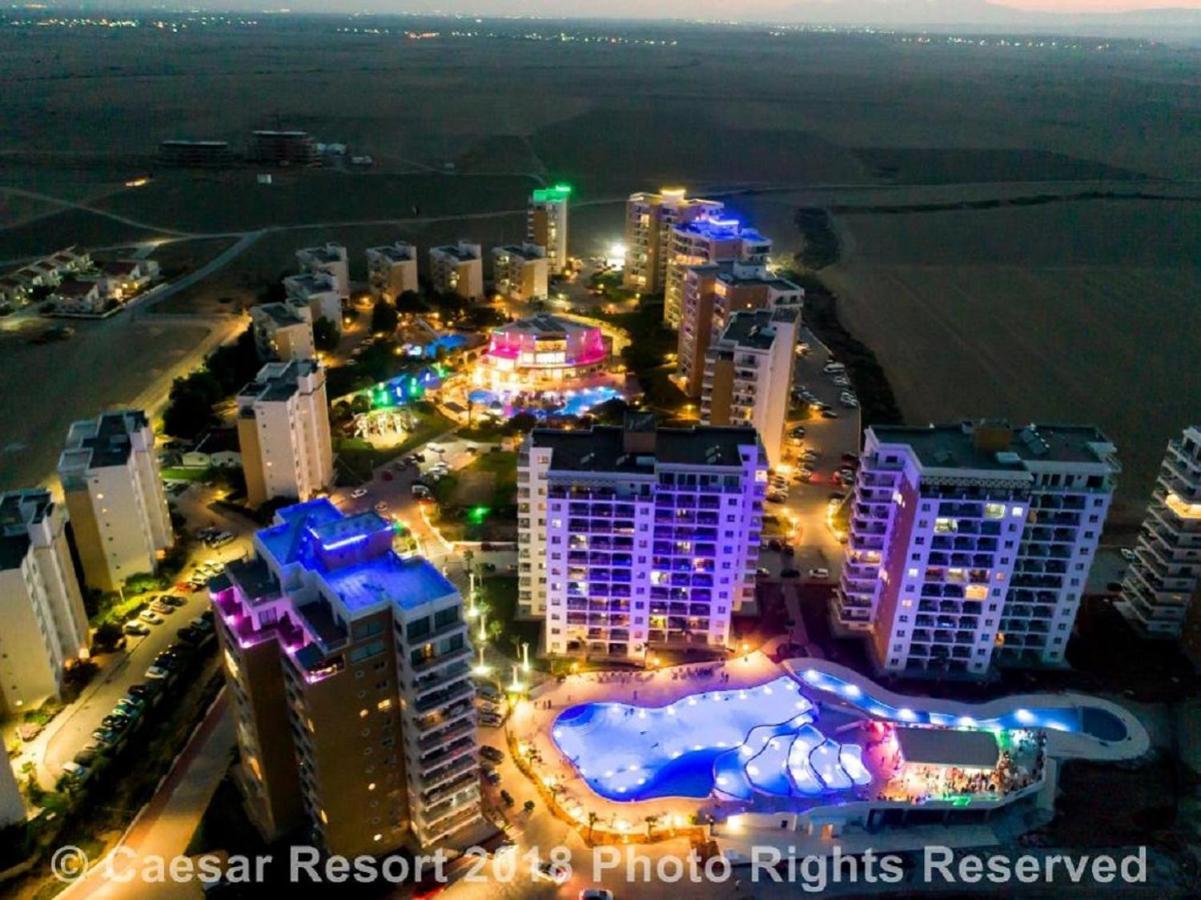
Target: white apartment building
column 458, row 269
column 392, row 270
column 546, row 224
column 638, row 538
column 319, row 293
column 970, row 545
column 713, row 292
column 282, row 331
column 649, row 221
column 283, row 432
column 519, row 271
column 45, row 626
column 1163, row 585
column 704, row 241
column 331, row 260
column 748, row 375
column 115, row 497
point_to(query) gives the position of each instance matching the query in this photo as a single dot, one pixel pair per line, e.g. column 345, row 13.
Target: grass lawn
column 357, row 459
column 479, row 502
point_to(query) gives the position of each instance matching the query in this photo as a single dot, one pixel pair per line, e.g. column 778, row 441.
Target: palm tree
column 651, row 822
column 592, row 817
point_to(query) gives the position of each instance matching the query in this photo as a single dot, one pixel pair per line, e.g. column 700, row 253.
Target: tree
column 411, row 302
column 528, row 806
column 325, row 334
column 187, row 414
column 384, row 317
column 360, row 403
column 592, row 817
column 342, row 412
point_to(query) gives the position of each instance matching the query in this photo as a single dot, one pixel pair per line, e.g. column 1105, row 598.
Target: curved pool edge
column 1061, row 744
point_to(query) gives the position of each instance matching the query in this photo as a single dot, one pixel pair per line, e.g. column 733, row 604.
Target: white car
column 819, row 574
column 150, row 617
column 1128, row 554
column 156, row 673
column 359, row 493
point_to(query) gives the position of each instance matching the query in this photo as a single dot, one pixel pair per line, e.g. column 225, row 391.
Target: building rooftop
column 753, row 329
column 328, row 253
column 309, row 283
column 461, row 251
column 72, row 288
column 603, row 448
column 542, row 324
column 278, row 381
column 19, row 510
column 997, row 446
column 353, row 556
column 252, row 577
column 560, row 193
column 521, row 251
column 281, row 314
column 948, row 747
column 101, row 443
column 398, row 252
column 720, row 229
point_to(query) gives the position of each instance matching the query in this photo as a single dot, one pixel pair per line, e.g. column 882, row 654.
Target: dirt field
column 1047, row 313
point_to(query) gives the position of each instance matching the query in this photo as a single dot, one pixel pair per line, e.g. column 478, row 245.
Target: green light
column 477, row 514
column 557, row 194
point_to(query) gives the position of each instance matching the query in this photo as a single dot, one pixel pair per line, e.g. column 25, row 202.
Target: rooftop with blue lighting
column 352, row 556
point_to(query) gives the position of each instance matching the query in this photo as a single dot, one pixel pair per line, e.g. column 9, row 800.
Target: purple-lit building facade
column 970, row 544
column 349, row 676
column 637, row 538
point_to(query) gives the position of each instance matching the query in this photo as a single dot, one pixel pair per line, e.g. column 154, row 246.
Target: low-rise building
column 350, row 677
column 115, row 498
column 319, row 293
column 519, row 271
column 41, row 606
column 458, row 269
column 392, row 271
column 542, row 352
column 282, row 331
column 331, row 260
column 123, row 278
column 748, row 373
column 284, row 148
column 79, row 298
column 217, row 448
column 283, row 432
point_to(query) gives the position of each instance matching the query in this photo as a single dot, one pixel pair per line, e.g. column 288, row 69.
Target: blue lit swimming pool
column 734, row 743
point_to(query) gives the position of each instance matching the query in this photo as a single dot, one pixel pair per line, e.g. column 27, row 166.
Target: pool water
column 735, row 742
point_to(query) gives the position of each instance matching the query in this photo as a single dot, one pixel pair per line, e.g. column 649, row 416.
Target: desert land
column 969, row 310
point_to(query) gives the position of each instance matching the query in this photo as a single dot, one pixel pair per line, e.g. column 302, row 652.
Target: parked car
column 163, row 609
column 506, row 798
column 1128, row 554
column 158, row 673
column 820, row 574
column 136, row 629
column 149, row 617
column 491, row 753
column 359, row 493
column 492, row 777
column 829, row 414
column 173, row 600
column 203, row 622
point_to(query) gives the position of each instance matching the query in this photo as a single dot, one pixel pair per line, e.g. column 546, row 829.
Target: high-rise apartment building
column 970, row 545
column 12, row 805
column 282, row 331
column 1164, row 581
column 546, row 224
column 748, row 375
column 45, row 626
column 319, row 293
column 705, row 241
column 458, row 269
column 519, row 271
column 331, row 260
column 712, row 293
column 349, row 669
column 650, row 219
column 392, row 270
column 115, row 497
column 283, row 432
column 637, row 538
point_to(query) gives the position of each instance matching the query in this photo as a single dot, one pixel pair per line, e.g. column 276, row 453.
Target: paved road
column 166, row 824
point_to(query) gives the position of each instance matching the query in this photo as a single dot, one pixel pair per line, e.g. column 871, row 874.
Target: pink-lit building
column 543, row 351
